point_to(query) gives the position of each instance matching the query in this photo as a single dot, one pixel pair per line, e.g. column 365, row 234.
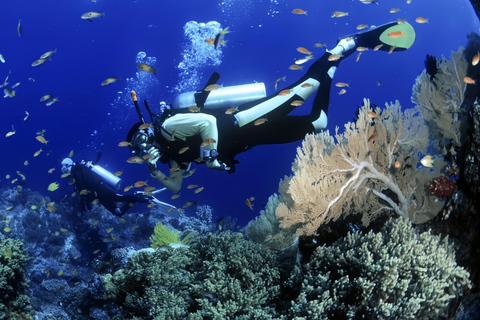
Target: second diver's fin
column 400, row 36
column 201, row 96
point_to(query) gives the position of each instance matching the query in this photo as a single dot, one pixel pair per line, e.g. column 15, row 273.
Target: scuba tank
column 224, row 97
column 107, row 177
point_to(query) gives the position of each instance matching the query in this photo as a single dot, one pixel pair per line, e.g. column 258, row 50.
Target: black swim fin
column 201, row 96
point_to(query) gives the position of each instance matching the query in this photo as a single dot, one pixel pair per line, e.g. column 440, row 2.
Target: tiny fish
column 339, row 14
column 144, row 126
column 341, row 84
column 207, row 142
column 48, row 54
column 295, row 67
column 134, row 228
column 193, row 109
column 135, row 159
column 118, row 173
column 174, row 169
column 427, row 161
column 49, row 103
column 140, row 184
column 45, row 97
column 26, row 115
column 42, row 139
column 260, row 121
column 334, row 57
column 51, row 170
column 377, row 47
column 219, row 38
column 320, row 45
column 277, row 81
column 372, row 114
column 175, row 196
column 468, row 80
column 303, row 50
column 95, row 201
column 198, row 190
column 149, row 189
column 358, row 57
column 109, row 81
column 70, row 154
column 299, row 11
column 361, row 49
column 19, row 28
column 53, row 186
column 212, row 87
column 192, row 186
column 249, row 204
column 372, row 137
column 343, row 91
column 362, row 26
column 109, row 230
column 284, row 92
column 145, row 67
column 38, row 62
column 306, row 85
column 91, row 15
column 233, row 110
column 124, row 144
column 391, row 49
column 37, row 153
column 151, row 205
column 421, row 20
column 127, row 188
column 397, row 164
column 297, row 103
column 401, row 21
column 394, row 10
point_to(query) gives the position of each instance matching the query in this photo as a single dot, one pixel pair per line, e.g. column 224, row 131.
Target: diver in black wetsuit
column 93, row 182
column 216, row 136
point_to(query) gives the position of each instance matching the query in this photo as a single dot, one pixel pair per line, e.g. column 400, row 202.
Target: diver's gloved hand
column 217, row 165
column 154, row 156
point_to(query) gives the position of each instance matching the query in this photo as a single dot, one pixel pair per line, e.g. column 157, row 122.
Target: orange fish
column 393, row 10
column 397, row 164
column 396, row 34
column 421, row 20
column 295, row 67
column 284, row 92
column 362, row 26
column 296, row 103
column 468, row 80
column 334, row 57
column 372, row 114
column 299, row 11
column 260, row 121
column 378, row 47
column 303, row 50
column 306, row 85
column 174, row 169
column 249, row 204
column 198, row 190
column 231, row 110
column 127, row 188
column 391, row 49
column 124, row 144
column 358, row 57
column 144, row 126
column 212, row 87
column 193, row 109
column 118, row 173
column 207, row 142
column 175, row 196
column 139, row 184
column 192, row 186
column 401, row 21
column 210, row 41
column 343, row 91
column 372, row 137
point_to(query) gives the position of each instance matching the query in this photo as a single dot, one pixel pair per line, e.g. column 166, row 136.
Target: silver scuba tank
column 224, row 97
column 107, row 177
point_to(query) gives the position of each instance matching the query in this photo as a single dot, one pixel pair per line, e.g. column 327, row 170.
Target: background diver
column 91, row 182
column 216, row 135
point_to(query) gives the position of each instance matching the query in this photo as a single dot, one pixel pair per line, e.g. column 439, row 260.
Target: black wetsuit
column 87, row 181
column 280, row 127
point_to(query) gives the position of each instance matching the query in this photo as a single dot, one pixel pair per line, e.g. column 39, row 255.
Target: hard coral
column 442, row 187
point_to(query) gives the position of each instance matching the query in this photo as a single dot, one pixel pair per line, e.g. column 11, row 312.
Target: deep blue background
column 89, row 118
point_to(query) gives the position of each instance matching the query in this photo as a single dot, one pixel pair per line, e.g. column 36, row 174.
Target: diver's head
column 67, row 164
column 140, row 139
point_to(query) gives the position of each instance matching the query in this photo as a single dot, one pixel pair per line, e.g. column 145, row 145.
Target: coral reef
column 372, row 168
column 165, row 237
column 394, row 274
column 219, row 277
column 14, row 304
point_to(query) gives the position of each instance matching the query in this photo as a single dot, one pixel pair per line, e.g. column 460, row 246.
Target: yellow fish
column 51, row 170
column 198, row 190
column 53, row 186
column 427, row 161
column 37, row 153
column 127, row 188
column 70, row 154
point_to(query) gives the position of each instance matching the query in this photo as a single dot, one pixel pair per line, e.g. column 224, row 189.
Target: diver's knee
column 321, row 123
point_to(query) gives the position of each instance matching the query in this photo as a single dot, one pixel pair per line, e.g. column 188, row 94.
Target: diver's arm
column 172, row 182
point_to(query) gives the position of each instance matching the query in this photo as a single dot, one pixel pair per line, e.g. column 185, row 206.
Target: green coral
column 13, row 303
column 218, row 277
column 163, row 236
column 394, row 274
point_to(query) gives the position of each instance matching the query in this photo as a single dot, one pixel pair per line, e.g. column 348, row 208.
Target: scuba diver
column 94, row 182
column 213, row 125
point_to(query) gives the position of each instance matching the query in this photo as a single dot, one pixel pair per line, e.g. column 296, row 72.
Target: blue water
column 89, row 118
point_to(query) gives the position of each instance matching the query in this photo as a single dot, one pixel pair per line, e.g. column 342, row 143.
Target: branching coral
column 394, row 274
column 440, row 97
column 371, row 169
